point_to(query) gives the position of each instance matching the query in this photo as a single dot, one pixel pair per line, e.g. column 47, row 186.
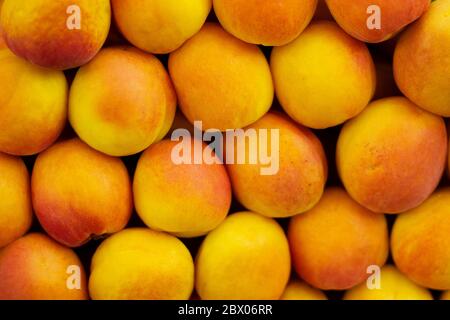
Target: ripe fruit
column 33, row 105
column 141, row 264
column 122, row 101
column 267, row 22
column 392, row 156
column 79, row 193
column 15, row 204
column 353, row 16
column 220, row 80
column 187, row 200
column 422, row 60
column 37, row 268
column 420, row 242
column 245, row 258
column 297, row 290
column 324, row 77
column 160, row 26
column 38, row 30
column 394, row 286
column 333, row 244
column 298, row 184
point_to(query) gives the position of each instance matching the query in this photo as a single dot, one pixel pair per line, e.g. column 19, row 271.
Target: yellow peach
column 298, row 290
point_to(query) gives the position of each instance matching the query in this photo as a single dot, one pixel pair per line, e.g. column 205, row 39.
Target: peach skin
column 355, row 16
column 392, row 156
column 59, row 34
column 422, row 60
column 267, row 22
column 420, row 242
column 298, row 290
column 333, row 244
column 160, row 26
column 15, row 206
column 122, row 101
column 36, row 267
column 141, row 264
column 221, row 80
column 79, row 193
column 187, row 200
column 324, row 77
column 245, row 258
column 302, row 169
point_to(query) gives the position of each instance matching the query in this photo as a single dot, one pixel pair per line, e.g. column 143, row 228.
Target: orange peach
column 422, row 60
column 15, row 204
column 141, row 264
column 298, row 290
column 420, row 242
column 160, row 26
column 122, row 101
column 335, row 243
column 79, row 193
column 221, row 80
column 392, row 156
column 187, row 200
column 37, row 268
column 324, row 77
column 33, row 104
column 245, row 258
column 356, row 16
column 296, row 174
column 267, row 22
column 59, row 34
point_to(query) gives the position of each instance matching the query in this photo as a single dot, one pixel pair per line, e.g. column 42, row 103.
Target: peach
column 422, row 60
column 160, row 26
column 59, row 34
column 245, row 258
column 15, row 205
column 298, row 183
column 393, row 286
column 324, row 77
column 122, row 101
column 392, row 157
column 221, row 80
column 354, row 16
column 420, row 242
column 267, row 22
column 36, row 267
column 141, row 264
column 333, row 244
column 445, row 295
column 79, row 193
column 187, row 200
column 33, row 104
column 298, row 290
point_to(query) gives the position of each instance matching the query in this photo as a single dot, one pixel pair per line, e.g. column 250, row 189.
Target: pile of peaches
column 92, row 204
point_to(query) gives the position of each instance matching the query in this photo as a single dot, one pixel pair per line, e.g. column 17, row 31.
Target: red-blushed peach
column 245, row 258
column 188, row 199
column 33, row 104
column 141, row 264
column 298, row 290
column 420, row 242
column 335, row 243
column 356, row 16
column 221, row 80
column 79, row 193
column 160, row 26
column 15, row 199
column 122, row 101
column 59, row 34
column 296, row 173
column 36, row 267
column 393, row 286
column 324, row 77
column 266, row 22
column 392, row 156
column 422, row 60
